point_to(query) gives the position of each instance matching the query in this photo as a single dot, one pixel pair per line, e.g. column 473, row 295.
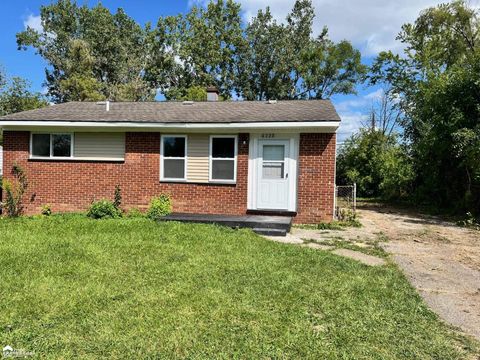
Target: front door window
column 273, row 162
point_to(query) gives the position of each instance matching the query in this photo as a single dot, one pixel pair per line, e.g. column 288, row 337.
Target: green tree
column 328, row 69
column 79, row 82
column 116, row 47
column 15, row 96
column 93, row 54
column 437, row 82
column 195, row 93
column 377, row 163
column 283, row 61
column 266, row 70
column 200, row 49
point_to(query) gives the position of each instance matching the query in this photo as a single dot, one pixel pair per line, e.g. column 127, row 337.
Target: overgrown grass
column 332, row 225
column 371, row 247
column 72, row 287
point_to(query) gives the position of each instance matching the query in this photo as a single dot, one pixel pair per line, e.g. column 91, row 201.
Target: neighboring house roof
column 220, row 112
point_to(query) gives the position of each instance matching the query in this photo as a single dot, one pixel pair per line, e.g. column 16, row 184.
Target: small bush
column 348, row 218
column 103, row 209
column 46, row 210
column 117, row 197
column 159, row 207
column 134, row 213
column 14, row 191
column 470, row 221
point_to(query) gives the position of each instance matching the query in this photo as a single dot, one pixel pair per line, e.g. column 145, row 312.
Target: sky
column 371, row 25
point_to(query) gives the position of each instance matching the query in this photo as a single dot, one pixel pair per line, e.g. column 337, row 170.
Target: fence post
column 354, row 197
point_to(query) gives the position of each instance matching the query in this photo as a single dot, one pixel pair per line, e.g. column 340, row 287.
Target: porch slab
column 268, row 225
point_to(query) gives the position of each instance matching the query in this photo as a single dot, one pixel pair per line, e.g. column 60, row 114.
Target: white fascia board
column 320, row 126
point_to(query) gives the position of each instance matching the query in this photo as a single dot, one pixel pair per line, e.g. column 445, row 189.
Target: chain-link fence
column 345, row 198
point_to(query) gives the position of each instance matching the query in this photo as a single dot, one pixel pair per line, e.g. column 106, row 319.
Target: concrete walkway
column 359, row 256
column 303, row 237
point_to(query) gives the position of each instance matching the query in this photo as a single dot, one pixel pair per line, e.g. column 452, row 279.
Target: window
column 273, row 162
column 41, row 145
column 51, row 146
column 223, row 158
column 173, row 157
column 61, row 145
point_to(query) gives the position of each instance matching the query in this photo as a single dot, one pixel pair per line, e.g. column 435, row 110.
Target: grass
column 72, row 287
column 370, row 247
column 332, row 225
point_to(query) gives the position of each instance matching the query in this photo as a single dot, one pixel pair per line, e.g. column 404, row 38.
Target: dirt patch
column 440, row 259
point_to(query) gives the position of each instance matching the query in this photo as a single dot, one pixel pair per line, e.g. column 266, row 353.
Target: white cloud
column 351, row 123
column 375, row 95
column 197, row 3
column 34, row 22
column 371, row 25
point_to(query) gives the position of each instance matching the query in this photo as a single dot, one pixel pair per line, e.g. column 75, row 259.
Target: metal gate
column 345, row 198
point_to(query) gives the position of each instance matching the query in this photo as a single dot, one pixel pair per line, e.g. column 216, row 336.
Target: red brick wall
column 316, row 181
column 72, row 186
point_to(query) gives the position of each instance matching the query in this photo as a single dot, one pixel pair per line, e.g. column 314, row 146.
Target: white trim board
column 310, row 126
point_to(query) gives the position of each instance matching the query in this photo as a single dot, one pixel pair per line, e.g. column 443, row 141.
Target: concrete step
column 270, row 232
column 247, row 221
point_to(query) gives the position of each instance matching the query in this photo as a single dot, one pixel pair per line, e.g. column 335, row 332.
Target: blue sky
column 371, row 25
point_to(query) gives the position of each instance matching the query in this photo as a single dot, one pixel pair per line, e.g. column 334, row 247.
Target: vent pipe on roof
column 106, row 103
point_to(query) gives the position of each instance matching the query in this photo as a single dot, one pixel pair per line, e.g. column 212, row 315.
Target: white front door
column 273, row 182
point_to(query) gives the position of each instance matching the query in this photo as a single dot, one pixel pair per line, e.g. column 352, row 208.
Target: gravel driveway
column 441, row 260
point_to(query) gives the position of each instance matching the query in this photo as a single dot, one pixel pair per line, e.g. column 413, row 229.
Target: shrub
column 117, row 197
column 159, row 206
column 14, row 191
column 46, row 210
column 134, row 213
column 348, row 217
column 103, row 209
column 470, row 221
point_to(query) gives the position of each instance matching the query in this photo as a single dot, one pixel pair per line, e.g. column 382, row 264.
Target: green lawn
column 72, row 287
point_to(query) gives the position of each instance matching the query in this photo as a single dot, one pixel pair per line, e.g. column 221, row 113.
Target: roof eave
column 325, row 126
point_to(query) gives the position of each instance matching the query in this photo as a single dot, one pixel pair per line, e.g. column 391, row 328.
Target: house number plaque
column 268, row 136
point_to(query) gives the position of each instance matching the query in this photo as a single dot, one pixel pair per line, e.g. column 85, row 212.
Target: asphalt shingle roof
column 178, row 112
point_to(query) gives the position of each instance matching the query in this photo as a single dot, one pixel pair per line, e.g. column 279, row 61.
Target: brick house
column 211, row 157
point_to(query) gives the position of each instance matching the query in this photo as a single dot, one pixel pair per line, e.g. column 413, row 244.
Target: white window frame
column 211, row 159
column 185, row 158
column 72, row 140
